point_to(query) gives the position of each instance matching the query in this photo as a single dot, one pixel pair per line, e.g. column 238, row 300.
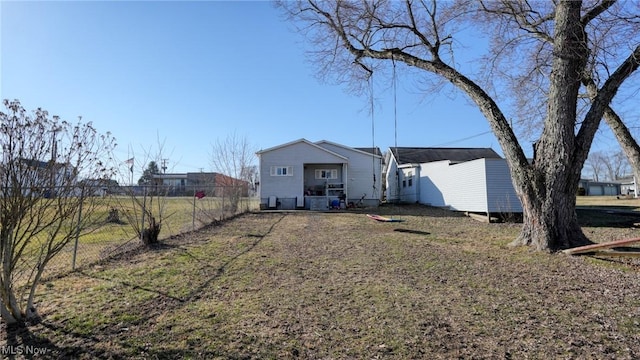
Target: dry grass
column 623, row 202
column 339, row 285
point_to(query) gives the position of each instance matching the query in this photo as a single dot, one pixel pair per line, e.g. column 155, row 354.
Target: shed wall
column 460, row 187
column 502, row 197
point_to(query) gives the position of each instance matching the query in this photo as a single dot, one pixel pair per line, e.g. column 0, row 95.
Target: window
column 282, row 171
column 408, row 178
column 326, row 174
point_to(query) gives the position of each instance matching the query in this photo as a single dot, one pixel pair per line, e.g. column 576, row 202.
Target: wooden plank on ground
column 616, row 253
column 602, row 246
column 382, row 218
column 482, row 218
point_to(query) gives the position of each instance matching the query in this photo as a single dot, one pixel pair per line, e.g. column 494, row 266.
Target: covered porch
column 325, row 186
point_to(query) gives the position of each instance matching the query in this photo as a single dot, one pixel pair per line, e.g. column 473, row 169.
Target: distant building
column 187, row 184
column 46, row 178
column 628, row 186
column 599, row 188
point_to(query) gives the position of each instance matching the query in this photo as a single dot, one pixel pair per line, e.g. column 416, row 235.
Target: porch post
column 345, row 182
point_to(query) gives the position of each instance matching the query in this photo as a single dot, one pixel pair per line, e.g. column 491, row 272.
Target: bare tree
column 353, row 38
column 607, row 165
column 234, row 158
column 610, row 27
column 43, row 205
column 145, row 206
column 617, row 165
column 596, row 164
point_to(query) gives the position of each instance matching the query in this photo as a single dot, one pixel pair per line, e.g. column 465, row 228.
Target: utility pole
column 164, row 165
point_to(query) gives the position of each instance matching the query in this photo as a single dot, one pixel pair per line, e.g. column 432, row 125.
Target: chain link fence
column 123, row 212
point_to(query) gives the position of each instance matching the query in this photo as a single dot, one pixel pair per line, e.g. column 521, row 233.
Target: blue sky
column 186, row 74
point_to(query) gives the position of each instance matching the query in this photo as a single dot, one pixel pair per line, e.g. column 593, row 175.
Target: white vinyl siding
column 501, row 195
column 295, row 156
column 482, row 185
column 460, row 187
column 364, row 174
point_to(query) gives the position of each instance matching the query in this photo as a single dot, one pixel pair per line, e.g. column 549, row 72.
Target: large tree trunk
column 548, row 193
column 550, row 222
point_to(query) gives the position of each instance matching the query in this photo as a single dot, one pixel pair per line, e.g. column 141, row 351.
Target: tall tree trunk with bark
column 549, row 199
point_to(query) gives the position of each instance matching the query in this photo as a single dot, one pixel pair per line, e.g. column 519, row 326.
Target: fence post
column 193, row 216
column 222, row 207
column 144, row 210
column 75, row 246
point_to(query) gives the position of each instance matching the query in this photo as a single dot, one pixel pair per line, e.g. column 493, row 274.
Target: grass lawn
column 341, row 286
column 102, row 239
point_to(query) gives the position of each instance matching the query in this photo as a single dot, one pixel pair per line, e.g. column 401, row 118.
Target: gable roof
column 420, row 155
column 304, row 141
column 371, row 151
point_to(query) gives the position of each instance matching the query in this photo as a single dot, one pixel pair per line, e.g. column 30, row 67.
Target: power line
column 463, row 139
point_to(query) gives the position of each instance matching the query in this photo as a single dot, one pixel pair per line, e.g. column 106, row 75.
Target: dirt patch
column 340, row 285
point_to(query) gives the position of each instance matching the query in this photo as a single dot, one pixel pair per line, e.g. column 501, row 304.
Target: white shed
column 462, row 179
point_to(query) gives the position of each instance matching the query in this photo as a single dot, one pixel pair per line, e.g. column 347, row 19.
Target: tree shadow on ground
column 409, row 210
column 410, row 231
column 158, row 305
column 22, row 343
column 603, row 216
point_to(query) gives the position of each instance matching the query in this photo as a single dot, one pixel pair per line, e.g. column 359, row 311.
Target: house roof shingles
column 406, row 155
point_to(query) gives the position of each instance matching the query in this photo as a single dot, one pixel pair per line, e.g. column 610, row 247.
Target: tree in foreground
column 144, row 206
column 43, row 203
column 551, row 50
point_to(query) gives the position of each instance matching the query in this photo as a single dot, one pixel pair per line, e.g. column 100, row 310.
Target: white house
column 462, row 179
column 45, row 178
column 628, row 186
column 316, row 176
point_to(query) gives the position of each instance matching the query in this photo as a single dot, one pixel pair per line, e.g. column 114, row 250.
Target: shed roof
column 405, row 155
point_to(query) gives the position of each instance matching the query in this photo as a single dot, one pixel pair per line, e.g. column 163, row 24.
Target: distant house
column 600, row 188
column 47, row 178
column 462, row 179
column 318, row 175
column 628, row 186
column 187, row 184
